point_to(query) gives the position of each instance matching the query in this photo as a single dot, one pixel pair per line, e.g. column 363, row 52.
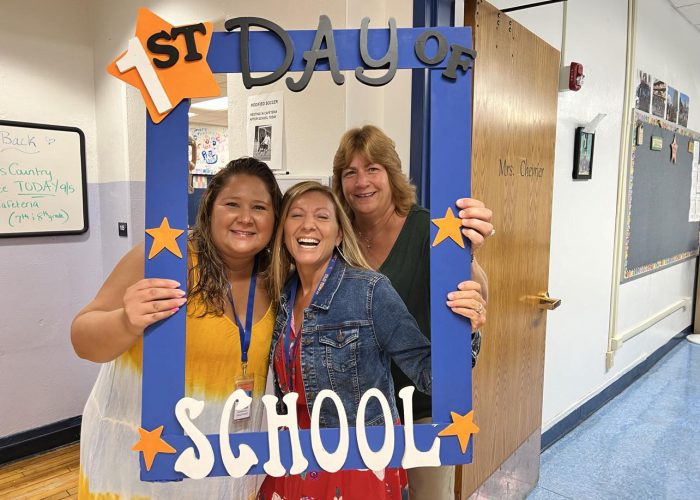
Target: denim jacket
column 351, row 331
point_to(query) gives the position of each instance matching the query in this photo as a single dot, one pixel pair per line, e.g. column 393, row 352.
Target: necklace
column 367, row 240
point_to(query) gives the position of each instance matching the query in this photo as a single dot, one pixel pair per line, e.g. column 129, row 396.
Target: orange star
column 164, row 237
column 449, row 227
column 167, row 85
column 150, row 444
column 462, row 427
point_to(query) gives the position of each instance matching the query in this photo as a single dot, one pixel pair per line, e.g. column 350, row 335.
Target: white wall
column 577, row 332
column 46, row 76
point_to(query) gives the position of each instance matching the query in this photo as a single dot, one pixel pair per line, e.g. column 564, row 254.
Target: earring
column 341, row 253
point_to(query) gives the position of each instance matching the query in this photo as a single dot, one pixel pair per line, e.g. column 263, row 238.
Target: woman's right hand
column 149, row 301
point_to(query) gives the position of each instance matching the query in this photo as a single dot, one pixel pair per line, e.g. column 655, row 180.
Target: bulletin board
column 42, row 180
column 660, row 230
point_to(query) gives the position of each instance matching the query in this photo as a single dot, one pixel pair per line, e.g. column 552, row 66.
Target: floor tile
column 642, row 444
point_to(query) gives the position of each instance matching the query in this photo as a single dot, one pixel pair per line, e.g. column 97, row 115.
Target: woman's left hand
column 468, row 302
column 476, row 221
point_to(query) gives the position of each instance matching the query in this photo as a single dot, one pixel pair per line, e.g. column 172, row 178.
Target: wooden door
column 515, row 117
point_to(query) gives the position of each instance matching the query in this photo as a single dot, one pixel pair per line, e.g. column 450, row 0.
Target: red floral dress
column 389, row 484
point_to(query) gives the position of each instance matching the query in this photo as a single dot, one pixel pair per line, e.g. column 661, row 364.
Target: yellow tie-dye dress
column 112, row 415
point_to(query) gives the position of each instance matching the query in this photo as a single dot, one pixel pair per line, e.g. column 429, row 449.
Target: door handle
column 544, row 301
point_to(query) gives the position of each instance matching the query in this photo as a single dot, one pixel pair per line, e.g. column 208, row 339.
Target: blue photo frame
column 450, row 160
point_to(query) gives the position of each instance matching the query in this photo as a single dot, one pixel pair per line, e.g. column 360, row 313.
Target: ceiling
column 219, row 118
column 690, row 9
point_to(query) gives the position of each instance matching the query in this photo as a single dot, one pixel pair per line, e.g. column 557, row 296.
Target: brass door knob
column 543, row 301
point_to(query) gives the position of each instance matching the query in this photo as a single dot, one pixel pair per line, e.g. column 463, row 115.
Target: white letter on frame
column 375, row 460
column 274, row 421
column 187, row 462
column 412, row 456
column 331, row 462
column 236, row 467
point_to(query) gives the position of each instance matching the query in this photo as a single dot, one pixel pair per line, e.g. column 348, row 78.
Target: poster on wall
column 266, row 128
column 694, row 212
column 212, row 147
column 683, row 109
column 658, row 101
column 672, row 105
column 643, row 94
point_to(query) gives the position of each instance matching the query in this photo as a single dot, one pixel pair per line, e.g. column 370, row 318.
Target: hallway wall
column 583, row 221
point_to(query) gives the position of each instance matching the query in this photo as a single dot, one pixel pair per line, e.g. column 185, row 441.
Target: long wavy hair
column 282, row 262
column 208, row 278
column 377, row 147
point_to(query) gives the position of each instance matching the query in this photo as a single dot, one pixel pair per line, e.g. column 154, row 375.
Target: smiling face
column 311, row 230
column 366, row 187
column 242, row 217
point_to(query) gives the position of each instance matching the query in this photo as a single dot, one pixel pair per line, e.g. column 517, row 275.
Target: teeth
column 367, row 195
column 308, row 242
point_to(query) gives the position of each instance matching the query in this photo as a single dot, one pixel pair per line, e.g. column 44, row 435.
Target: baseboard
column 24, row 444
column 573, row 419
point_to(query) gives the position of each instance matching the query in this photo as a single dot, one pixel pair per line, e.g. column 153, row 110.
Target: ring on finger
column 479, row 309
column 493, row 232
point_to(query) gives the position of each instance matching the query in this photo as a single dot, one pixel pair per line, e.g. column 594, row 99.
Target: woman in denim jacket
column 339, row 324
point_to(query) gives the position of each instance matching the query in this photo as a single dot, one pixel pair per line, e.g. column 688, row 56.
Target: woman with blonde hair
column 339, row 325
column 394, row 234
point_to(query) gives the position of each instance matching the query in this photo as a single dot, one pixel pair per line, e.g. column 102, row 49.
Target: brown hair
column 282, row 260
column 376, row 147
column 209, row 280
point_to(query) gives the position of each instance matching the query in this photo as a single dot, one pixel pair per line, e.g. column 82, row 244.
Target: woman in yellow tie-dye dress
column 229, row 261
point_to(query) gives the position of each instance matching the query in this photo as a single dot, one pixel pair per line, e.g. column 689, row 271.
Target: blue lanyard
column 289, row 346
column 247, row 332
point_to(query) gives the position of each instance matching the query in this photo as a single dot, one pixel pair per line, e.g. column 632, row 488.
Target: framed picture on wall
column 583, row 154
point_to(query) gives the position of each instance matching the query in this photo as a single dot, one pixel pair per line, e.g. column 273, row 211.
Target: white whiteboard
column 42, row 180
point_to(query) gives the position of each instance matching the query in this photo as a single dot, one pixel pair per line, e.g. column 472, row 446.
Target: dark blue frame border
column 166, row 196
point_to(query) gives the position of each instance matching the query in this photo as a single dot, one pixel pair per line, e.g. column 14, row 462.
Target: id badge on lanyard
column 244, row 381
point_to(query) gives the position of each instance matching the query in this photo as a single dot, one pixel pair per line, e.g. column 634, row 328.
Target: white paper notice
column 694, row 212
column 266, row 128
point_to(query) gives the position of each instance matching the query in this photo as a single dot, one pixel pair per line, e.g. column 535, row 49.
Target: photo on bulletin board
column 683, row 109
column 262, row 149
column 658, row 100
column 43, row 186
column 672, row 105
column 583, row 154
column 643, row 95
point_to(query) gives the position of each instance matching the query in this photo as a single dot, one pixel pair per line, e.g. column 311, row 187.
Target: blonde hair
column 282, row 260
column 376, row 147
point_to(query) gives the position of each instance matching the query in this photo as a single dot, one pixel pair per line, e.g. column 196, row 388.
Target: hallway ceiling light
column 217, row 104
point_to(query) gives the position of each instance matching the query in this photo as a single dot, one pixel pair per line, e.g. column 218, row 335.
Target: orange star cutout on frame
column 150, row 444
column 164, row 237
column 449, row 227
column 177, row 69
column 462, row 427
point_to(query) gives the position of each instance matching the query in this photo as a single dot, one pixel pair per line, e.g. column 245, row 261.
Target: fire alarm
column 571, row 77
column 575, row 76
